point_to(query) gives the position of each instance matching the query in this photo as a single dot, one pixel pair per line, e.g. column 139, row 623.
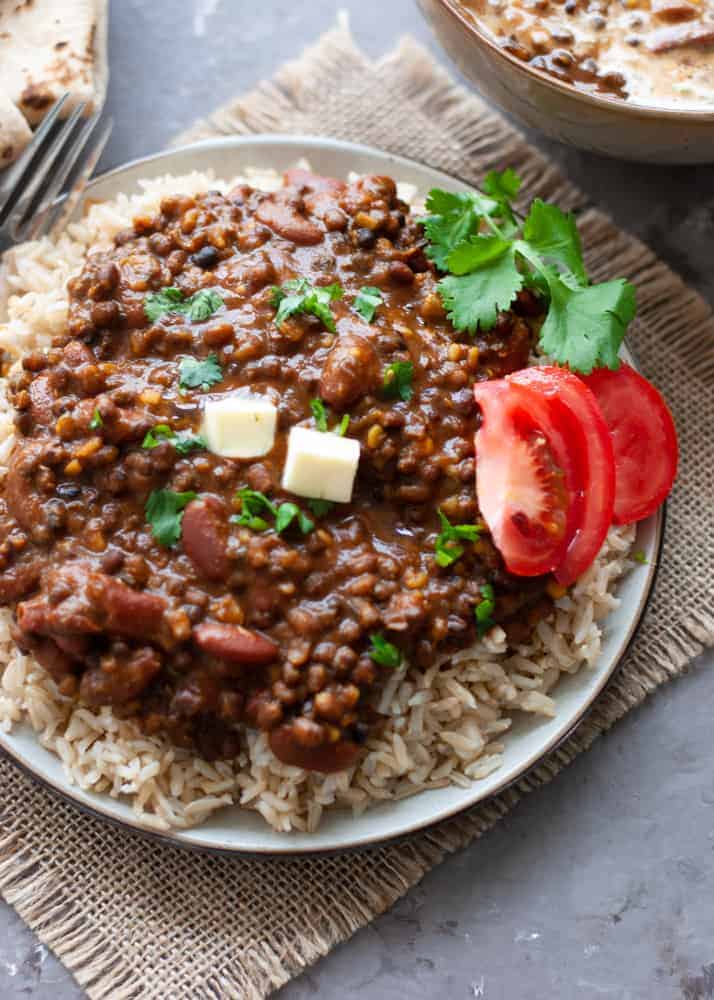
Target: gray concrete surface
column 601, row 886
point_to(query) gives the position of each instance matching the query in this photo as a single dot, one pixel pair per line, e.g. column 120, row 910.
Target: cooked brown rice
column 447, row 724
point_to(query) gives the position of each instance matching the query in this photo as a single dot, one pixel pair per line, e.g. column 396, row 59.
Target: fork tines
column 59, row 150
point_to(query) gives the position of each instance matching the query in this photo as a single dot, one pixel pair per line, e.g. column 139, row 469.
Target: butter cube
column 321, row 465
column 239, row 426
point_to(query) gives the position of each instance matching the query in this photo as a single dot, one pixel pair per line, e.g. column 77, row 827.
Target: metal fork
column 29, row 207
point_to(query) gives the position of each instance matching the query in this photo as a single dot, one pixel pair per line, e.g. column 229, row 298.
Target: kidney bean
column 235, row 644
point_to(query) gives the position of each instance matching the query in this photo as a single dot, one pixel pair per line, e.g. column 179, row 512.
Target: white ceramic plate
column 241, row 831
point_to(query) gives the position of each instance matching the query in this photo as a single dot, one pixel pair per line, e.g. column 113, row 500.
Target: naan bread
column 15, row 133
column 48, row 47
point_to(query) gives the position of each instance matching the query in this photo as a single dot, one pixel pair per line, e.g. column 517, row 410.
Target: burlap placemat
column 134, row 919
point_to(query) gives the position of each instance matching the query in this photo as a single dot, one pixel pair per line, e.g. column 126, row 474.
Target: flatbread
column 15, row 133
column 49, row 47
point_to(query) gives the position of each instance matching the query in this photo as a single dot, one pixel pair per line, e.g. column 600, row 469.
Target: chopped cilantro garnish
column 195, row 374
column 368, row 300
column 448, row 543
column 320, row 507
column 197, row 307
column 319, row 412
column 299, row 296
column 164, row 512
column 384, row 653
column 397, row 382
column 183, row 442
column 640, row 557
column 96, row 422
column 490, row 257
column 287, row 513
column 255, row 507
column 484, row 610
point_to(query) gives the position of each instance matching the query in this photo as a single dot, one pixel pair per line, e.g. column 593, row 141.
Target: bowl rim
column 618, row 106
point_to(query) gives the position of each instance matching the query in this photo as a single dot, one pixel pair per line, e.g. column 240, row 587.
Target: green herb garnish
column 256, row 507
column 448, row 543
column 164, row 512
column 195, row 374
column 320, row 507
column 490, row 257
column 640, row 557
column 384, row 653
column 299, row 296
column 183, row 442
column 319, row 412
column 368, row 300
column 397, row 381
column 96, row 422
column 198, row 307
column 484, row 610
column 289, row 512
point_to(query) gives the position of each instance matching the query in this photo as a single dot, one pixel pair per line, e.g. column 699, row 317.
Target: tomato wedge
column 592, row 454
column 527, row 475
column 545, row 471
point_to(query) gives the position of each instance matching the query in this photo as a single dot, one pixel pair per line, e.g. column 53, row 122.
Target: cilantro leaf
column 319, row 412
column 585, row 326
column 96, row 422
column 253, row 505
column 554, row 235
column 368, row 301
column 453, row 218
column 320, row 507
column 384, row 653
column 166, row 301
column 397, row 381
column 484, row 610
column 164, row 512
column 183, row 442
column 473, row 301
column 299, row 296
column 479, row 251
column 448, row 543
column 502, row 185
column 197, row 307
column 640, row 557
column 287, row 513
column 195, row 374
column 203, row 304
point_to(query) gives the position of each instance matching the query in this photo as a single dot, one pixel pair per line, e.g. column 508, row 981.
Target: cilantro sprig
column 299, row 296
column 96, row 422
column 200, row 374
column 385, row 653
column 320, row 414
column 256, row 508
column 448, row 545
column 198, row 307
column 183, row 442
column 164, row 512
column 490, row 257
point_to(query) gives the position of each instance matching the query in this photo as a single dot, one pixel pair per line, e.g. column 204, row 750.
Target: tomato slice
column 644, row 440
column 527, row 482
column 592, row 455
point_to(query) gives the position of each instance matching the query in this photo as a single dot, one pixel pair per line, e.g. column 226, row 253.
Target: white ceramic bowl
column 237, row 830
column 590, row 121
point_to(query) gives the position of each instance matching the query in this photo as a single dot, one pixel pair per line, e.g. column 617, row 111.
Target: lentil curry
column 657, row 52
column 231, row 622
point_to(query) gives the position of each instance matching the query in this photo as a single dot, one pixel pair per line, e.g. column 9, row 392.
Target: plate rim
column 68, row 792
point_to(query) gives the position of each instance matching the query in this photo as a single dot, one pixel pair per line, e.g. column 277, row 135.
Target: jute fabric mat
column 134, row 919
